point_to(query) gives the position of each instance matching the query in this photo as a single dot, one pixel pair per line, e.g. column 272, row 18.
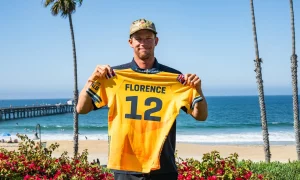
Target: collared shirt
column 167, row 159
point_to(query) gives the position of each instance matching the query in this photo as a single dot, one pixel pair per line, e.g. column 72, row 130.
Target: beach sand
column 99, row 149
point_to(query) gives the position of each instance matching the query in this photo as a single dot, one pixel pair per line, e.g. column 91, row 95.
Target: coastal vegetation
column 34, row 162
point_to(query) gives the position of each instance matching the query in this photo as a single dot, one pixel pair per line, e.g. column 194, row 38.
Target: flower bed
column 213, row 167
column 33, row 162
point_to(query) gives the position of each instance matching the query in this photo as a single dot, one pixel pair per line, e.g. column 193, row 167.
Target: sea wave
column 104, row 127
column 60, row 127
column 234, row 125
column 215, row 138
column 236, row 138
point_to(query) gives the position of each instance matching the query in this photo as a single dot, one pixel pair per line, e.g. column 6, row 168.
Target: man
column 143, row 40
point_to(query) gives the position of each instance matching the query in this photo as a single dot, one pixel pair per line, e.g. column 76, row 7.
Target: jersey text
column 145, row 88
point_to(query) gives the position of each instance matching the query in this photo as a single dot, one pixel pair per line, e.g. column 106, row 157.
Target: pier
column 34, row 111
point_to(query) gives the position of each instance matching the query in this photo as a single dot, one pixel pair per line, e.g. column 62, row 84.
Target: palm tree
column 66, row 8
column 260, row 90
column 295, row 83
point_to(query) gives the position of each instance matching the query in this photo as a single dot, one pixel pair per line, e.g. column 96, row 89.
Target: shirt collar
column 155, row 68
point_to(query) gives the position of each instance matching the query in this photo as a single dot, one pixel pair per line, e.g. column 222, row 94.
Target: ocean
column 231, row 120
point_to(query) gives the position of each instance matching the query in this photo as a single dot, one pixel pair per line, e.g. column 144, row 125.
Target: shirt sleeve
column 187, row 96
column 194, row 97
column 97, row 92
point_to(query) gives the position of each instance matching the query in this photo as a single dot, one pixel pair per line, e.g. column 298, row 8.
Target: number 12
column 147, row 114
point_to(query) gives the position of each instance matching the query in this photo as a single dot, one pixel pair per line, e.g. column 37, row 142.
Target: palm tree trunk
column 260, row 90
column 75, row 114
column 295, row 83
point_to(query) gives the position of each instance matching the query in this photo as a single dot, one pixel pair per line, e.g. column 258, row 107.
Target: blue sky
column 210, row 38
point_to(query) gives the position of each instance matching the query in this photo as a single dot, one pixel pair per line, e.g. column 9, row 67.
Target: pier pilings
column 34, row 111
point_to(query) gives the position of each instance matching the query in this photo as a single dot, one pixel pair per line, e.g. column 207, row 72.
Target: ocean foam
column 217, row 138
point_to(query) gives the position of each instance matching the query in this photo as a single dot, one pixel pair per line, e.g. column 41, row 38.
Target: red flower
column 210, row 169
column 212, row 178
column 27, row 177
column 220, row 172
column 66, row 167
column 3, row 156
column 22, row 158
column 248, row 175
column 223, row 162
column 32, row 166
column 180, row 177
column 89, row 178
column 189, row 177
column 57, row 174
column 233, row 168
column 260, row 176
column 37, row 178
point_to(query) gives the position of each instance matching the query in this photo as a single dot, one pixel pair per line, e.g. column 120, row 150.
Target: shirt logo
column 96, row 85
column 181, row 79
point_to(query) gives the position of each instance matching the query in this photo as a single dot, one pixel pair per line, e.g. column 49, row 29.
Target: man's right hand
column 100, row 72
column 85, row 103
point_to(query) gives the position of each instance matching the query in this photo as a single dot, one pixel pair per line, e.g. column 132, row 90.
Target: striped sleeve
column 196, row 100
column 97, row 92
column 189, row 95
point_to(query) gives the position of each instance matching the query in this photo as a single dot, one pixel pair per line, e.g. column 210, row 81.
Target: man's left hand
column 193, row 80
column 200, row 110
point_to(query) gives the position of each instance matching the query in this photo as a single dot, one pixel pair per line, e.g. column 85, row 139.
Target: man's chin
column 144, row 57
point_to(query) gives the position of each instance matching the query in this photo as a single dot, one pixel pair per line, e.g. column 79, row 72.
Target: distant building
column 70, row 102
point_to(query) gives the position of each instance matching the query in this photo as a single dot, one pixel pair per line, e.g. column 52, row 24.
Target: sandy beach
column 99, row 149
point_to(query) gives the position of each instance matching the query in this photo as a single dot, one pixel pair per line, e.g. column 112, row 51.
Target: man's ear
column 130, row 42
column 156, row 41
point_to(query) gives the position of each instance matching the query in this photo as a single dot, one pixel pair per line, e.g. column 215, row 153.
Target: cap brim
column 143, row 29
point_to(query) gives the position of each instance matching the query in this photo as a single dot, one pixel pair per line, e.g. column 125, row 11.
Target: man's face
column 143, row 43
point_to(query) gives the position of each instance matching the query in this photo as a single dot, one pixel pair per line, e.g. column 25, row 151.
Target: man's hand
column 200, row 109
column 193, row 80
column 85, row 103
column 100, row 72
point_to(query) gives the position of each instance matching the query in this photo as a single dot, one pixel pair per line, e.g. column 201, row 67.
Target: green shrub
column 32, row 161
column 278, row 170
column 214, row 167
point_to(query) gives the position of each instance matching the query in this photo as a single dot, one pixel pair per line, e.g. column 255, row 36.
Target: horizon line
column 205, row 96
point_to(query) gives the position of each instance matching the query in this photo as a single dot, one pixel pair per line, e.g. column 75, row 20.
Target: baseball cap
column 141, row 24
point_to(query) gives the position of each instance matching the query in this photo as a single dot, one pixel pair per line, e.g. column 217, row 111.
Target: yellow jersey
column 142, row 109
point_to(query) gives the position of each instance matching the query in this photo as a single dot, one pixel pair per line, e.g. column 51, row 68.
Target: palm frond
column 72, row 6
column 48, row 2
column 80, row 2
column 63, row 7
column 69, row 7
column 55, row 9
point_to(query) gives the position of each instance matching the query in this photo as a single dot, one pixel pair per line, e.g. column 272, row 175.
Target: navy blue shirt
column 167, row 159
